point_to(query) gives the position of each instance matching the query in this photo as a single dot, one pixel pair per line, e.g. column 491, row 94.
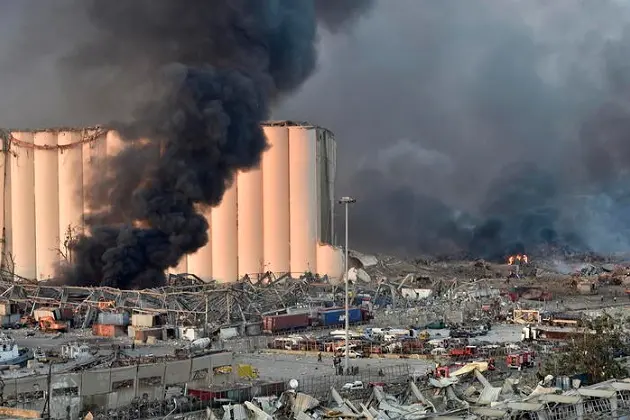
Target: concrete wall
column 200, row 263
column 23, row 250
column 303, row 199
column 46, row 204
column 275, row 168
column 70, row 163
column 272, row 218
column 250, row 223
column 107, row 388
column 224, row 235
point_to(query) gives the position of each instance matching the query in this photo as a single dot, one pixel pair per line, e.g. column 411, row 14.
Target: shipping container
column 275, row 323
column 105, row 330
column 44, row 313
column 337, row 316
column 9, row 320
column 8, row 308
column 143, row 334
column 67, row 314
column 113, row 318
column 190, row 333
column 142, row 320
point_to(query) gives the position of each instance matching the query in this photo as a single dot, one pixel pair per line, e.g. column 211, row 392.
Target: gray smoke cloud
column 187, row 84
column 480, row 128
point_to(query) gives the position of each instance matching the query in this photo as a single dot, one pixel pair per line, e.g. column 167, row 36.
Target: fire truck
column 468, row 351
column 520, row 360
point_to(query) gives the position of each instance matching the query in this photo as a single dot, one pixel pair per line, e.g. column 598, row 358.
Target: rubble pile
column 466, row 396
column 458, row 316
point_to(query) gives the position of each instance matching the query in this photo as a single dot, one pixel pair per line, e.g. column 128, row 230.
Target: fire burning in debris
column 518, row 259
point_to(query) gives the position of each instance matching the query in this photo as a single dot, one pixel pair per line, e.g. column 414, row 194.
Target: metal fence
column 319, row 386
column 247, row 344
column 316, row 386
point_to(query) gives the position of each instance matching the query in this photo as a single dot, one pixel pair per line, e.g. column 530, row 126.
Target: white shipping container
column 5, row 309
column 43, row 313
column 142, row 320
column 190, row 333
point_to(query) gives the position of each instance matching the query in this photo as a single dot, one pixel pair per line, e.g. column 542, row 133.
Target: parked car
column 350, row 386
column 352, row 354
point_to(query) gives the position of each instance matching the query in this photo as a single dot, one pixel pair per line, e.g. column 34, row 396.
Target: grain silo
column 277, row 218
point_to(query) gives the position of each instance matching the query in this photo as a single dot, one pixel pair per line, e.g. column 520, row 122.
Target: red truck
column 287, row 322
column 520, row 360
column 463, row 351
column 529, row 293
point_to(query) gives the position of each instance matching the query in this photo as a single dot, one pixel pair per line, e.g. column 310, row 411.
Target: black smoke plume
column 481, row 128
column 215, row 68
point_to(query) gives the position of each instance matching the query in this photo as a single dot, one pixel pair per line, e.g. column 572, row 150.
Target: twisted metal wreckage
column 185, row 299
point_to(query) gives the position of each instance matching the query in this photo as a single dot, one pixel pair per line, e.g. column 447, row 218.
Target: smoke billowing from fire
column 487, row 128
column 202, row 76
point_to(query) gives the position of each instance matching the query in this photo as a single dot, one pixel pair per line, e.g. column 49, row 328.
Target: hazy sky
column 448, row 114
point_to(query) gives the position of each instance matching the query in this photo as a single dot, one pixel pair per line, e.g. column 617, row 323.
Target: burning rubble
column 518, row 259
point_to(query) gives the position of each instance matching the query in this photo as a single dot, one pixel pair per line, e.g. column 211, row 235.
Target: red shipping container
column 67, row 314
column 275, row 323
column 105, row 330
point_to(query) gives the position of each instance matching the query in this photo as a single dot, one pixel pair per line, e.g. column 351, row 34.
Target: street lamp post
column 346, row 201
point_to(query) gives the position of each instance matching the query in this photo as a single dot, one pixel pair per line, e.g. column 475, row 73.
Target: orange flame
column 519, row 258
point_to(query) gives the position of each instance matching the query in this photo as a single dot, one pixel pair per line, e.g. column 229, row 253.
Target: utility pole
column 346, row 201
column 46, row 410
column 229, row 307
column 205, row 320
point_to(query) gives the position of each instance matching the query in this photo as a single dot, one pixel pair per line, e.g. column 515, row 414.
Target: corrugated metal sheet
column 113, row 318
column 326, row 175
column 489, row 394
column 304, row 402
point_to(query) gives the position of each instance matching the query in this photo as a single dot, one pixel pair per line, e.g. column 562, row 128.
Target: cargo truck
column 286, row 322
column 337, row 316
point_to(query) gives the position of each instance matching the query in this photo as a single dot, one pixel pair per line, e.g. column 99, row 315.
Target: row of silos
column 270, row 219
column 273, row 218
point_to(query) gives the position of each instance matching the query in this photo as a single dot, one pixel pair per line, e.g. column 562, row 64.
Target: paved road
column 282, row 366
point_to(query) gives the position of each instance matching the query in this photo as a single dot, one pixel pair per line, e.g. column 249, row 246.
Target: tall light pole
column 346, row 201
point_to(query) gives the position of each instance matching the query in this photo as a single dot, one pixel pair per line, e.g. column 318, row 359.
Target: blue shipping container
column 336, row 317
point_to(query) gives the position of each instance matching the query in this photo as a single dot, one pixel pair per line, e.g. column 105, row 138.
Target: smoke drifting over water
column 481, row 128
column 214, row 70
